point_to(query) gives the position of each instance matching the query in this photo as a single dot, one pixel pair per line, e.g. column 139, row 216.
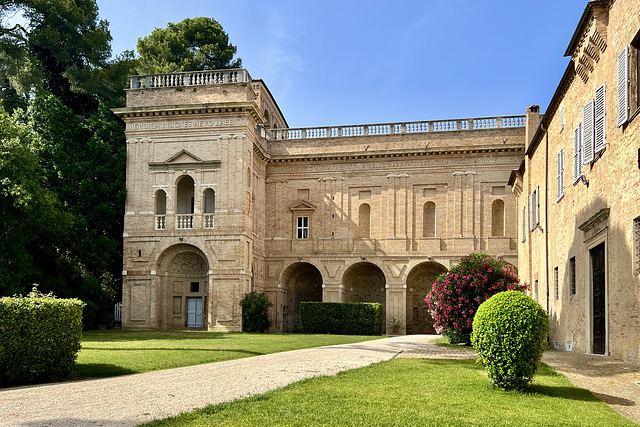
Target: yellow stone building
column 223, row 199
column 578, row 190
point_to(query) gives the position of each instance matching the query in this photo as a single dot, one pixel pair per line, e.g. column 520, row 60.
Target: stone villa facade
column 224, row 199
column 578, row 190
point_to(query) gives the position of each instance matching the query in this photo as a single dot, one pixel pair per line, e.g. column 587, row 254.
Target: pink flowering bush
column 455, row 296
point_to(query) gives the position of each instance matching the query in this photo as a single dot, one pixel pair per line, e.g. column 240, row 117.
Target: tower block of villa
column 223, row 199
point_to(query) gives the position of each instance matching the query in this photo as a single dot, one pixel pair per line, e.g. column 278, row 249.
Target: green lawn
column 111, row 353
column 412, row 392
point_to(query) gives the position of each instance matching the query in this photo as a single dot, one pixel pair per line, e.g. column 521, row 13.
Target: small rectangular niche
column 498, row 190
column 429, row 192
column 303, row 194
column 195, row 286
column 365, row 195
column 177, row 305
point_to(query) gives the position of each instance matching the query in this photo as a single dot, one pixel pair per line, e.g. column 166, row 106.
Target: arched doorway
column 419, row 282
column 365, row 282
column 301, row 282
column 184, row 287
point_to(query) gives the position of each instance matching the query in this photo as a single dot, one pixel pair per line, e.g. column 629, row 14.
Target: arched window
column 267, row 123
column 364, row 221
column 497, row 218
column 429, row 220
column 184, row 200
column 209, row 207
column 160, row 209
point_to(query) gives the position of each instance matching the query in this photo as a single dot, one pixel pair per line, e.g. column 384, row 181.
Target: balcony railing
column 184, row 221
column 208, row 220
column 401, row 128
column 160, row 222
column 191, row 78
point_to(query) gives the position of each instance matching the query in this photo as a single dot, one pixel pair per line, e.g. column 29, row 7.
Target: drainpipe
column 546, row 208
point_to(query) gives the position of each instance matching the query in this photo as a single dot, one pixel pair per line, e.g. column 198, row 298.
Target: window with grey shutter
column 560, row 175
column 523, row 218
column 600, row 124
column 531, row 210
column 587, row 132
column 623, row 86
column 561, row 119
column 537, row 202
column 577, row 153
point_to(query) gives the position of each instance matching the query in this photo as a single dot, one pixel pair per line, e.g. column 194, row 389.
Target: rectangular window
column 572, row 274
column 577, row 153
column 537, row 202
column 560, row 174
column 534, row 209
column 623, row 86
column 556, row 285
column 561, row 119
column 636, row 244
column 302, row 228
column 600, row 124
column 195, row 286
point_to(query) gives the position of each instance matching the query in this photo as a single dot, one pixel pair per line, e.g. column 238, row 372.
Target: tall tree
column 190, row 45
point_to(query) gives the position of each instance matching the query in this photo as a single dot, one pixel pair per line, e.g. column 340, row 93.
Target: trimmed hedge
column 510, row 334
column 39, row 338
column 341, row 318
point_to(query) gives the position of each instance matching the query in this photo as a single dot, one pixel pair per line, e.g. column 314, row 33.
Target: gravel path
column 133, row 399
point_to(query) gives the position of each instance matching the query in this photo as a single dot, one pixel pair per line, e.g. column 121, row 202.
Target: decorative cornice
column 396, row 153
column 190, row 109
column 600, row 216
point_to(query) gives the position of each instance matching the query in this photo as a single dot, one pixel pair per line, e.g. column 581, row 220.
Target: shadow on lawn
column 99, row 370
column 118, row 336
column 225, row 350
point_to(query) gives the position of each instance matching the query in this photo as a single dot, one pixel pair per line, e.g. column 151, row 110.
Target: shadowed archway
column 301, row 282
column 419, row 282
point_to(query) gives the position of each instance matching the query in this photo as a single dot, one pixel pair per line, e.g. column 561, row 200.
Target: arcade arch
column 184, row 286
column 301, row 282
column 419, row 282
column 365, row 282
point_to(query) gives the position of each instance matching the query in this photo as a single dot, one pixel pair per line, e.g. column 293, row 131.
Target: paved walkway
column 133, row 399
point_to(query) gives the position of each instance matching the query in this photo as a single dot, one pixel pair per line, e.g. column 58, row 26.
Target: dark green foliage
column 362, row 318
column 254, row 312
column 39, row 338
column 190, row 45
column 509, row 334
column 455, row 296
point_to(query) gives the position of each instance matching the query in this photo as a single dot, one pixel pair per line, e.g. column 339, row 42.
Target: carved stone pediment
column 301, row 205
column 183, row 159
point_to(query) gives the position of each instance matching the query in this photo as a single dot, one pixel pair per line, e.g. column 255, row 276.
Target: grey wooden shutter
column 531, row 210
column 537, row 201
column 623, row 86
column 600, row 124
column 561, row 173
column 523, row 218
column 577, row 157
column 587, row 132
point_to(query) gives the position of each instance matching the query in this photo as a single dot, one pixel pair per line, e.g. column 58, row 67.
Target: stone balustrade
column 401, row 128
column 191, row 78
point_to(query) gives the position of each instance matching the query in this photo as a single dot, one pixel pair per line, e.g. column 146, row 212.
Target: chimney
column 531, row 125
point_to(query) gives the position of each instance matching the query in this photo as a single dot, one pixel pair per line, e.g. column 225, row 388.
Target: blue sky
column 351, row 62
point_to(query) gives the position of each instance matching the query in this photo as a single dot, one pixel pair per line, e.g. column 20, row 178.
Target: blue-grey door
column 194, row 312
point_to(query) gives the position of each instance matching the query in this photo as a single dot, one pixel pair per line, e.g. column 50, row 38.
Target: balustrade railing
column 396, row 128
column 191, row 78
column 160, row 222
column 184, row 221
column 208, row 220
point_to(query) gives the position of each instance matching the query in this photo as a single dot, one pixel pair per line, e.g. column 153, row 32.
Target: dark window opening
column 195, row 286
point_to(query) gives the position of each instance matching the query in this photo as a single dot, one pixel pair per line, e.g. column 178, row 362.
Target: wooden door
column 194, row 312
column 599, row 307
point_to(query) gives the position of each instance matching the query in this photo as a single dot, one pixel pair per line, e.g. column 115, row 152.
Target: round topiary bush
column 255, row 317
column 509, row 334
column 455, row 296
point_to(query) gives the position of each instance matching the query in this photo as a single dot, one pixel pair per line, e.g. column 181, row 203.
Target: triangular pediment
column 183, row 156
column 301, row 205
